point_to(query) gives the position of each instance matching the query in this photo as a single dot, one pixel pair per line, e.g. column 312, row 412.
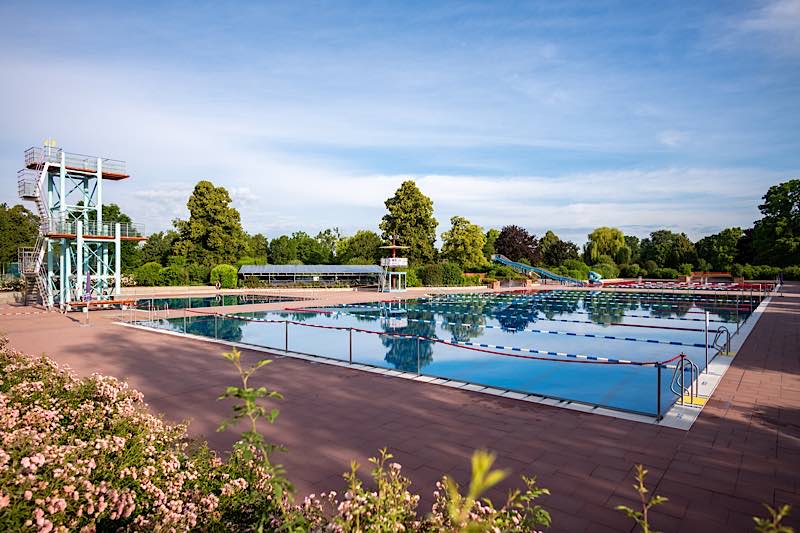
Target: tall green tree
column 606, row 241
column 776, row 237
column 410, row 219
column 213, row 234
column 19, row 227
column 364, row 246
column 158, row 247
column 634, row 244
column 327, row 241
column 282, row 250
column 517, row 244
column 668, row 249
column 258, row 246
column 463, row 244
column 555, row 251
column 720, row 249
column 488, row 248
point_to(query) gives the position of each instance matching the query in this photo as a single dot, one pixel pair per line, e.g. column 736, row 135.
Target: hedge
column 227, row 275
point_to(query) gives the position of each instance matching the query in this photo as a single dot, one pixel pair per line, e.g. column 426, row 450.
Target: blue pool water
column 579, row 339
column 192, row 302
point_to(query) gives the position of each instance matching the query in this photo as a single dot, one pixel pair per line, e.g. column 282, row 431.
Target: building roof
column 256, row 270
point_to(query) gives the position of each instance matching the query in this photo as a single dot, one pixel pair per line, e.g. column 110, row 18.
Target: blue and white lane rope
column 520, row 314
column 565, row 333
column 585, row 357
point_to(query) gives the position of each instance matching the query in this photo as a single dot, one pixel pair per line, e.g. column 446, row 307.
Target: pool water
column 570, row 345
column 190, row 302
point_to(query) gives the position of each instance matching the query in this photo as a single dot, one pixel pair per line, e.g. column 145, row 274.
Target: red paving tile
column 743, row 450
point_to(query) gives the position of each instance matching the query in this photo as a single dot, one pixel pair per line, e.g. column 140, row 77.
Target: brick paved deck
column 744, row 449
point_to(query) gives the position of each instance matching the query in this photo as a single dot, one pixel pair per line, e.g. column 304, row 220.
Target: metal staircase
column 31, row 260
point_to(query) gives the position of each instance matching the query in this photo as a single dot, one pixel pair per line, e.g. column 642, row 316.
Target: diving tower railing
column 542, row 273
column 110, row 168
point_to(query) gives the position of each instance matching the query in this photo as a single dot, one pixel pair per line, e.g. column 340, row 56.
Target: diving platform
column 110, row 169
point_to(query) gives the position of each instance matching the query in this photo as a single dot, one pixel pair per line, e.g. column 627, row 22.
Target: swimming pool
column 191, row 302
column 603, row 348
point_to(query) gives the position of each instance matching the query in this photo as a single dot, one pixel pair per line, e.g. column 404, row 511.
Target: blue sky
column 550, row 115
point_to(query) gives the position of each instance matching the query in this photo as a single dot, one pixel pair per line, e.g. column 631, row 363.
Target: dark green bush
column 452, row 275
column 148, row 274
column 431, row 275
column 607, row 270
column 198, row 273
column 630, row 271
column 227, row 275
column 664, row 273
column 173, row 276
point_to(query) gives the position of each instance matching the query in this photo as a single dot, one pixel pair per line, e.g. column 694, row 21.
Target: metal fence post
column 215, row 326
column 658, row 393
column 418, row 356
column 286, row 336
column 350, row 331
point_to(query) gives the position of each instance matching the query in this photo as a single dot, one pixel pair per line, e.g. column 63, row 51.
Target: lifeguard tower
column 392, row 279
column 76, row 261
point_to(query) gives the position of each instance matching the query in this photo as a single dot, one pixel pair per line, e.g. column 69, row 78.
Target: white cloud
column 672, row 138
column 775, row 22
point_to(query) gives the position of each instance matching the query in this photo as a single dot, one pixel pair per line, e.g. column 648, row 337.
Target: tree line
column 212, row 244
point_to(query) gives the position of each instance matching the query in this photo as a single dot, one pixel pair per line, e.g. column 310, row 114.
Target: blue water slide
column 542, row 273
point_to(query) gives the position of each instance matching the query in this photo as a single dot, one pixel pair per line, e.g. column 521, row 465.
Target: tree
column 364, row 245
column 491, row 238
column 634, row 244
column 555, row 251
column 516, row 243
column 131, row 251
column 606, row 241
column 19, row 227
column 327, row 241
column 463, row 244
column 158, row 247
column 310, row 250
column 213, row 234
column 283, row 250
column 410, row 220
column 776, row 237
column 720, row 249
column 668, row 249
column 258, row 247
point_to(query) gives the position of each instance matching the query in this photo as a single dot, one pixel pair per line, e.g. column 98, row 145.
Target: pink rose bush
column 85, row 454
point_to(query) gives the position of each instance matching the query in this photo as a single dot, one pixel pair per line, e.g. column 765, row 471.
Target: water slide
column 542, row 273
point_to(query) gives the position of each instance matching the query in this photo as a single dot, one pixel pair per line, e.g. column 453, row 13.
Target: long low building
column 354, row 275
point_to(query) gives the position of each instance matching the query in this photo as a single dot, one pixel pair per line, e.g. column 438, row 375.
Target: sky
column 549, row 115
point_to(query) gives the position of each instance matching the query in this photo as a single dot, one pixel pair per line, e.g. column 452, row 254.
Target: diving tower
column 77, row 256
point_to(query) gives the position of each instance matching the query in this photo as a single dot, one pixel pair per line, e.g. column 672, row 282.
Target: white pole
column 117, row 260
column 79, row 259
column 705, row 370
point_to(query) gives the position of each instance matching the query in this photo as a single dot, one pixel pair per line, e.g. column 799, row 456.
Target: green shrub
column 452, row 275
column 198, row 274
column 685, row 269
column 431, row 275
column 764, row 272
column 664, row 273
column 651, row 266
column 148, row 274
column 173, row 276
column 412, row 279
column 471, row 280
column 227, row 275
column 607, row 270
column 791, row 273
column 737, row 270
column 630, row 271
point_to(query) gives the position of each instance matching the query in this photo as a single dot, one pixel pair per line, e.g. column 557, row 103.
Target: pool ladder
column 679, row 386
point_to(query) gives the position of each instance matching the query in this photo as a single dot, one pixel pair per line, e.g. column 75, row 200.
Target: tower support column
column 117, row 260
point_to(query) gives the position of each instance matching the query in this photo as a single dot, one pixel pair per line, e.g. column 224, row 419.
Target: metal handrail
column 726, row 346
column 679, row 377
column 39, row 155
